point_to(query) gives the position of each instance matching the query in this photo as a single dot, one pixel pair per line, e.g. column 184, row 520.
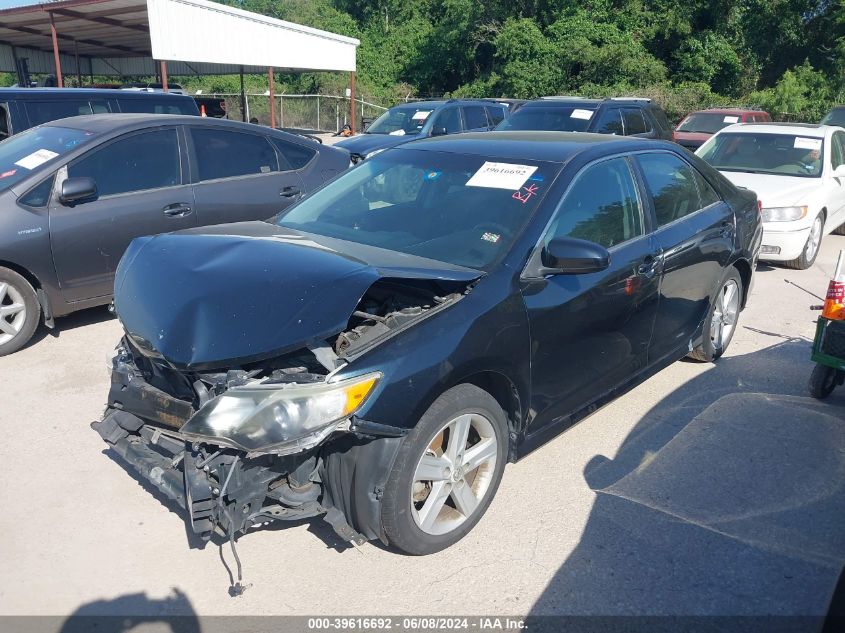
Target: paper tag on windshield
column 501, row 176
column 731, row 119
column 802, row 142
column 399, row 132
column 421, row 115
column 38, row 157
column 578, row 113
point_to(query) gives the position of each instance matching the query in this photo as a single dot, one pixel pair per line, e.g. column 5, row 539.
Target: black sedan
column 378, row 353
column 75, row 192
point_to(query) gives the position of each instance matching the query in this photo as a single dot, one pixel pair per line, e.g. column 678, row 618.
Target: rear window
column 163, row 105
column 24, row 153
column 557, row 117
column 45, row 111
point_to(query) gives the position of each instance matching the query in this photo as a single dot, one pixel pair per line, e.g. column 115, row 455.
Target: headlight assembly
column 279, row 418
column 783, row 214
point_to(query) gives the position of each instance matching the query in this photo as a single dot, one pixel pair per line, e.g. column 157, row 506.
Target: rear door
column 143, row 189
column 695, row 234
column 609, row 122
column 475, row 118
column 591, row 332
column 636, row 124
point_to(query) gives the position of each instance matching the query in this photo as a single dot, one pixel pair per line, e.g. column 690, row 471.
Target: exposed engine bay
column 230, row 484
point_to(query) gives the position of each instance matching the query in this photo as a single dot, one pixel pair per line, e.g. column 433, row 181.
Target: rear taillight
column 759, row 209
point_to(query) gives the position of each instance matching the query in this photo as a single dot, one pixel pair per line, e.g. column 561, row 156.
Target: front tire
column 822, row 381
column 811, row 247
column 446, row 472
column 19, row 311
column 722, row 318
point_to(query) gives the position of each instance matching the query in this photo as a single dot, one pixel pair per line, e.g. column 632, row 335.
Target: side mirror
column 76, row 190
column 571, row 256
column 439, row 130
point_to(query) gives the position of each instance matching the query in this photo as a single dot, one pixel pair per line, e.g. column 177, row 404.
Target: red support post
column 56, row 58
column 352, row 101
column 163, row 75
column 272, row 97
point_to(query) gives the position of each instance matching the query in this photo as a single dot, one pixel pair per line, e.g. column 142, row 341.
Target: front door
column 695, row 234
column 238, row 177
column 591, row 332
column 140, row 192
column 835, row 185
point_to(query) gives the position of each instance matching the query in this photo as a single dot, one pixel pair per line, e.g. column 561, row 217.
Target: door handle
column 177, row 210
column 648, row 267
column 290, row 192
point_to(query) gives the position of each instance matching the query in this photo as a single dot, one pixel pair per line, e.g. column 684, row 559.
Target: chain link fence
column 319, row 113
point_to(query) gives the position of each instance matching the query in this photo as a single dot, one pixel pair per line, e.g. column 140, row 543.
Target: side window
column 225, row 154
column 837, row 150
column 671, row 183
column 154, row 106
column 4, row 121
column 43, row 111
column 39, row 195
column 660, row 116
column 450, row 119
column 474, row 117
column 149, row 160
column 609, row 122
column 634, row 121
column 496, row 114
column 601, row 206
column 99, row 106
column 706, row 192
column 296, row 156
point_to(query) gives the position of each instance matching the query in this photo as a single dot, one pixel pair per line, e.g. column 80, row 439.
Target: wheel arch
column 23, row 272
column 743, row 266
column 504, row 390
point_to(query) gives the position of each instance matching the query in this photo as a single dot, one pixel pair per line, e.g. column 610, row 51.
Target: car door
column 237, row 176
column 835, row 185
column 475, row 118
column 142, row 190
column 590, row 332
column 695, row 234
column 636, row 123
column 609, row 122
column 447, row 121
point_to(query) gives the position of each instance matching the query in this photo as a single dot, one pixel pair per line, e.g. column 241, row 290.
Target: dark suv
column 624, row 116
column 23, row 108
column 420, row 119
column 835, row 117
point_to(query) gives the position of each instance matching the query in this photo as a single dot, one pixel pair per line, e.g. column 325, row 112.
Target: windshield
column 783, row 154
column 835, row 117
column 707, row 122
column 23, row 153
column 401, row 120
column 558, row 118
column 460, row 209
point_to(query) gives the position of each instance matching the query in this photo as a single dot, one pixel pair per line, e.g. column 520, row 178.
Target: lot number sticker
column 802, row 142
column 501, row 176
column 578, row 113
column 421, row 115
column 38, row 157
column 730, row 119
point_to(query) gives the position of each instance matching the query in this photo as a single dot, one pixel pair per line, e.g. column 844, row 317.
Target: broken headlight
column 278, row 418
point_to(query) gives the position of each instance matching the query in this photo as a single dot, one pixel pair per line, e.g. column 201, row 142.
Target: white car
column 798, row 173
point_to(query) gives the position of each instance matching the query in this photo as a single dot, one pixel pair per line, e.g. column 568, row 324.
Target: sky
column 6, row 4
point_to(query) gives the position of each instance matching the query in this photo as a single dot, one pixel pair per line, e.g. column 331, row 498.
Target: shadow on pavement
column 72, row 321
column 726, row 499
column 138, row 612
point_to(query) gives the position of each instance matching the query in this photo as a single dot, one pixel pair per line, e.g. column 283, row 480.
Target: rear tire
column 822, row 381
column 20, row 311
column 446, row 472
column 811, row 247
column 722, row 319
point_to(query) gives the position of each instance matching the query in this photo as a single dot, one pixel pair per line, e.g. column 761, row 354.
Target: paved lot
column 658, row 503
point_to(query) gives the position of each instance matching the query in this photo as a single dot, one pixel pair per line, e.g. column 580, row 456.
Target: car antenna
column 812, row 294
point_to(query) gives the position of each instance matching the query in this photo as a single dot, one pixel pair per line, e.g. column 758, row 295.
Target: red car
column 699, row 126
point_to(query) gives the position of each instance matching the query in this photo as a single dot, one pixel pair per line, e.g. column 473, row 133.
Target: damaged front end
column 276, row 439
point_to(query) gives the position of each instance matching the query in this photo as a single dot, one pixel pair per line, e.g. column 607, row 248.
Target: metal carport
column 153, row 37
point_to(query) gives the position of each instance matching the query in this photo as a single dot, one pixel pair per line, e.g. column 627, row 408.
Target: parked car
column 835, row 117
column 697, row 127
column 421, row 119
column 620, row 116
column 798, row 171
column 145, row 86
column 21, row 109
column 75, row 192
column 215, row 107
column 380, row 360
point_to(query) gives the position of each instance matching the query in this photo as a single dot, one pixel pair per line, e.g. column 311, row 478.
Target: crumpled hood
column 363, row 144
column 775, row 191
column 230, row 294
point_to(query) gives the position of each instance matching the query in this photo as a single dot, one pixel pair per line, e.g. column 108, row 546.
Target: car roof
column 556, row 147
column 813, row 130
column 730, row 111
column 6, row 93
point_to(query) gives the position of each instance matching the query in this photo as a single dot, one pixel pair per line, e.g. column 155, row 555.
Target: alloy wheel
column 725, row 315
column 12, row 312
column 454, row 474
column 813, row 240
